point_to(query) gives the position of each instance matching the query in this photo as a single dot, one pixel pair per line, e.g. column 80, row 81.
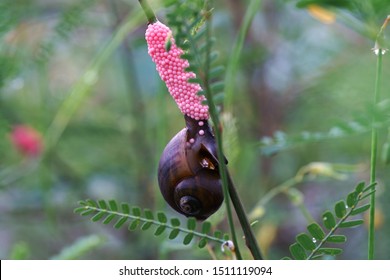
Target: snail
column 188, row 173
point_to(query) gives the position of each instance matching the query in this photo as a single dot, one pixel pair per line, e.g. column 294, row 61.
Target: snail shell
column 188, row 172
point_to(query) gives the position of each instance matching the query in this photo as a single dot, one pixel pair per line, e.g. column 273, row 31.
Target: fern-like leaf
column 361, row 124
column 314, row 246
column 187, row 19
column 106, row 211
column 69, row 20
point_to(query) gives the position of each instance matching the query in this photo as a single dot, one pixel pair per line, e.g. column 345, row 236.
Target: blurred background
column 83, row 114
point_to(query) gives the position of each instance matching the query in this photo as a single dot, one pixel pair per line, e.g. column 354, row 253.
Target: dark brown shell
column 188, row 173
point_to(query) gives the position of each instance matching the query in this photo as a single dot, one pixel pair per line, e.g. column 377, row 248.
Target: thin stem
column 227, row 183
column 222, row 164
column 84, row 85
column 379, row 50
column 250, row 238
column 309, row 218
column 374, row 148
column 148, row 11
column 273, row 192
column 257, row 211
column 304, row 173
column 234, row 60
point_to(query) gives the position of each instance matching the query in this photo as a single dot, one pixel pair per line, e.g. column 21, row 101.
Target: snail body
column 188, row 172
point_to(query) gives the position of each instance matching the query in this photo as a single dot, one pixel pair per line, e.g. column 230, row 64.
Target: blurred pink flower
column 27, row 140
column 171, row 68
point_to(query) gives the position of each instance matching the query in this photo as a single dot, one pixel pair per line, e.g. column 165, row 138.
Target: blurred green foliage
column 295, row 73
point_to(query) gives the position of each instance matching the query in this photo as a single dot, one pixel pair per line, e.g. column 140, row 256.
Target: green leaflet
column 340, row 209
column 133, row 225
column 298, row 252
column 120, row 222
column 136, row 211
column 113, row 205
column 337, row 239
column 351, row 223
column 329, row 220
column 360, row 209
column 108, row 219
column 305, row 241
column 316, row 231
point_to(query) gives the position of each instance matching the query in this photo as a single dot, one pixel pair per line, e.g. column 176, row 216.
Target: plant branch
column 374, row 148
column 330, row 233
column 218, row 137
column 250, row 238
column 148, row 11
column 234, row 60
column 379, row 50
column 88, row 209
column 83, row 86
column 306, row 172
column 227, row 183
column 360, row 197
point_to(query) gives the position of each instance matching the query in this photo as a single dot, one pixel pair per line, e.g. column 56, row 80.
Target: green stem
column 374, row 148
column 218, row 137
column 250, row 238
column 278, row 189
column 148, row 11
column 305, row 212
column 234, row 60
column 227, row 183
column 82, row 88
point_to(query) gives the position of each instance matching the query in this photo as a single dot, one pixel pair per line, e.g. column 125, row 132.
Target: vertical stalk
column 374, row 151
column 227, row 183
column 379, row 50
column 218, row 138
column 148, row 11
column 232, row 67
column 250, row 238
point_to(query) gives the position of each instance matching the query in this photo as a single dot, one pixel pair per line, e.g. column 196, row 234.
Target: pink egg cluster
column 171, row 68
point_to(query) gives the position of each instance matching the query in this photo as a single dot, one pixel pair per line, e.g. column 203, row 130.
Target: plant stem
column 379, row 51
column 148, row 11
column 227, row 183
column 82, row 88
column 250, row 238
column 374, row 148
column 234, row 60
column 218, row 137
column 272, row 193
